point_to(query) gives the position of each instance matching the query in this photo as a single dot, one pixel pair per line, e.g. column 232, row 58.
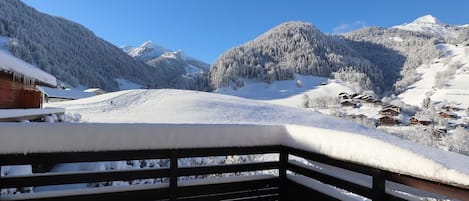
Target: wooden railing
column 301, row 175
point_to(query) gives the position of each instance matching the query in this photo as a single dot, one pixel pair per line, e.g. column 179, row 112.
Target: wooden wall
column 14, row 95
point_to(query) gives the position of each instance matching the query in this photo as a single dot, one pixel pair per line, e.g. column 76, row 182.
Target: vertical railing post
column 173, row 178
column 282, row 173
column 379, row 186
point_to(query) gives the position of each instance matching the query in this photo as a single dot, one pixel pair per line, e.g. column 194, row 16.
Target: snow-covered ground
column 288, row 92
column 180, row 106
column 455, row 90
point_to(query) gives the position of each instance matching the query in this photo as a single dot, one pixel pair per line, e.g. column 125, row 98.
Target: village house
column 420, row 120
column 348, row 103
column 448, row 115
column 370, row 100
column 450, row 108
column 387, row 121
column 344, row 96
column 58, row 95
column 18, row 81
column 389, row 112
column 377, row 102
column 396, row 108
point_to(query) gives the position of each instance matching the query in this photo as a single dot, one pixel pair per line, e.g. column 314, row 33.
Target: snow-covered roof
column 13, row 65
column 93, row 90
column 66, row 94
column 422, row 118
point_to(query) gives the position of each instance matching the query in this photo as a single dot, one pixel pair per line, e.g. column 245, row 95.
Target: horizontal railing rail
column 280, row 184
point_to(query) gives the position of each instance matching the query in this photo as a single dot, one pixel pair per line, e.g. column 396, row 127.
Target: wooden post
column 379, row 186
column 173, row 178
column 282, row 173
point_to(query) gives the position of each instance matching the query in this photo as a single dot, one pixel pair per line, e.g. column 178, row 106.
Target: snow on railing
column 39, row 138
column 355, row 152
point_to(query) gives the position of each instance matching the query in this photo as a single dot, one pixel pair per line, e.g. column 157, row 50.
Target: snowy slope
column 179, row 106
column 11, row 64
column 328, row 135
column 287, row 92
column 454, row 90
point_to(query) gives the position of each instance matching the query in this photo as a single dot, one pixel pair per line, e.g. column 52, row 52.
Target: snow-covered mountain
column 185, row 72
column 149, row 51
column 431, row 25
column 294, row 48
column 145, row 52
column 360, row 57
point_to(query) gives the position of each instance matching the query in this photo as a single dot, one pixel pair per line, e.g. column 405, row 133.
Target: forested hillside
column 69, row 51
column 294, row 47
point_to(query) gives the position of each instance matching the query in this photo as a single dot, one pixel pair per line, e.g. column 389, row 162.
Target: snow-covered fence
column 305, row 162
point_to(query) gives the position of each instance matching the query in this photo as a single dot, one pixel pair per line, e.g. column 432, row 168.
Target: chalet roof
column 386, row 117
column 65, row 94
column 422, row 118
column 390, row 106
column 11, row 65
column 389, row 109
column 448, row 113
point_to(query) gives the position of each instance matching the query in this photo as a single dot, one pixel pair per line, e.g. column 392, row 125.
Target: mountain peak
column 147, row 44
column 429, row 24
column 427, row 19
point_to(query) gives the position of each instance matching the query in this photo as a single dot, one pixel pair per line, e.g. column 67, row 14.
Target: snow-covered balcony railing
column 305, row 163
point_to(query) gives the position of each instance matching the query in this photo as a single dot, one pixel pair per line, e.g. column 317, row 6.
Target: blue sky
column 207, row 28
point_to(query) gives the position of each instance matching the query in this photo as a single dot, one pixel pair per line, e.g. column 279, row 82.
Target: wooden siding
column 13, row 94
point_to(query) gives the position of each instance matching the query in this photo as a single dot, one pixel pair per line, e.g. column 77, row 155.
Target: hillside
column 405, row 47
column 289, row 48
column 444, row 80
column 69, row 51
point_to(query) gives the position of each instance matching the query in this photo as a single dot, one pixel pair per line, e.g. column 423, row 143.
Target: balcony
column 296, row 172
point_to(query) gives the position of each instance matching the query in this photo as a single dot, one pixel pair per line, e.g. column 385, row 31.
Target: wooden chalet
column 344, row 96
column 58, row 95
column 448, row 115
column 389, row 112
column 450, row 108
column 377, row 102
column 387, row 121
column 348, row 103
column 420, row 120
column 18, row 81
column 396, row 108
